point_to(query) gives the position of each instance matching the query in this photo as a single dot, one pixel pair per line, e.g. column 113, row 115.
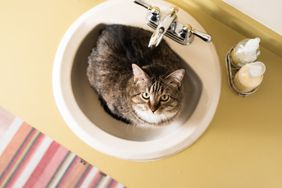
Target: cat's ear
column 175, row 78
column 138, row 74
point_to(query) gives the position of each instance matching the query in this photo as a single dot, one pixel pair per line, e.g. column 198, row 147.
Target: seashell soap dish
column 245, row 74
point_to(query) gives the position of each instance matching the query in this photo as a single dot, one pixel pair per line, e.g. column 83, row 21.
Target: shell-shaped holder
column 231, row 72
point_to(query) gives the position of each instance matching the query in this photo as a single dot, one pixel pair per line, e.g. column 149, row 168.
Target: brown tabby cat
column 136, row 84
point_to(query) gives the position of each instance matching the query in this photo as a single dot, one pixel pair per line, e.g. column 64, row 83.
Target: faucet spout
column 162, row 28
column 156, row 38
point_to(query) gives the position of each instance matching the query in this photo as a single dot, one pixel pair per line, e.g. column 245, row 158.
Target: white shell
column 246, row 51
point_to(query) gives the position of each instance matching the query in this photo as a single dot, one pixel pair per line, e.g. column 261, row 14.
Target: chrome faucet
column 168, row 26
column 162, row 28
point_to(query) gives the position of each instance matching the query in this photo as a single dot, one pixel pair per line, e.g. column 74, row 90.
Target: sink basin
column 81, row 110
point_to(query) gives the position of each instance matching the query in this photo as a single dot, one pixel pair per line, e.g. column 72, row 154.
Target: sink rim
column 102, row 141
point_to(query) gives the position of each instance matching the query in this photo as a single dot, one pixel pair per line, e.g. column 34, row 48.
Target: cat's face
column 156, row 101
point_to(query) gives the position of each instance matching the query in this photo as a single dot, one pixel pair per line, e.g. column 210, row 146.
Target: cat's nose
column 154, row 107
column 153, row 110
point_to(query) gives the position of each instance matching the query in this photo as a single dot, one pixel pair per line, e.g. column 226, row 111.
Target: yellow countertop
column 241, row 148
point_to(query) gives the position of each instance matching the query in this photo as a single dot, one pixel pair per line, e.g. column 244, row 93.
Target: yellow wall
column 241, row 148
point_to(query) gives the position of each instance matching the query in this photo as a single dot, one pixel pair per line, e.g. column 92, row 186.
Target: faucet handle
column 154, row 12
column 188, row 32
column 143, row 4
column 204, row 36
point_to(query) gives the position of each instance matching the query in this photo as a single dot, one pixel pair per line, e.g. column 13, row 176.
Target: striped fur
column 121, row 67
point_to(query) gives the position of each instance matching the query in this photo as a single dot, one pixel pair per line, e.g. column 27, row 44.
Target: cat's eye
column 145, row 96
column 164, row 98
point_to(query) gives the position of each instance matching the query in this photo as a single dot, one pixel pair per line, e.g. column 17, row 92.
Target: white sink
column 79, row 105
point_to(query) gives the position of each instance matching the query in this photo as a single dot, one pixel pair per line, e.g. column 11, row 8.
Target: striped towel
column 30, row 159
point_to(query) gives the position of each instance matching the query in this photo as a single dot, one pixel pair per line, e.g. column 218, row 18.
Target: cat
column 136, row 84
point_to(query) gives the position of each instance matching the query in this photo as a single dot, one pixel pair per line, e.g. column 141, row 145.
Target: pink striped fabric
column 31, row 159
